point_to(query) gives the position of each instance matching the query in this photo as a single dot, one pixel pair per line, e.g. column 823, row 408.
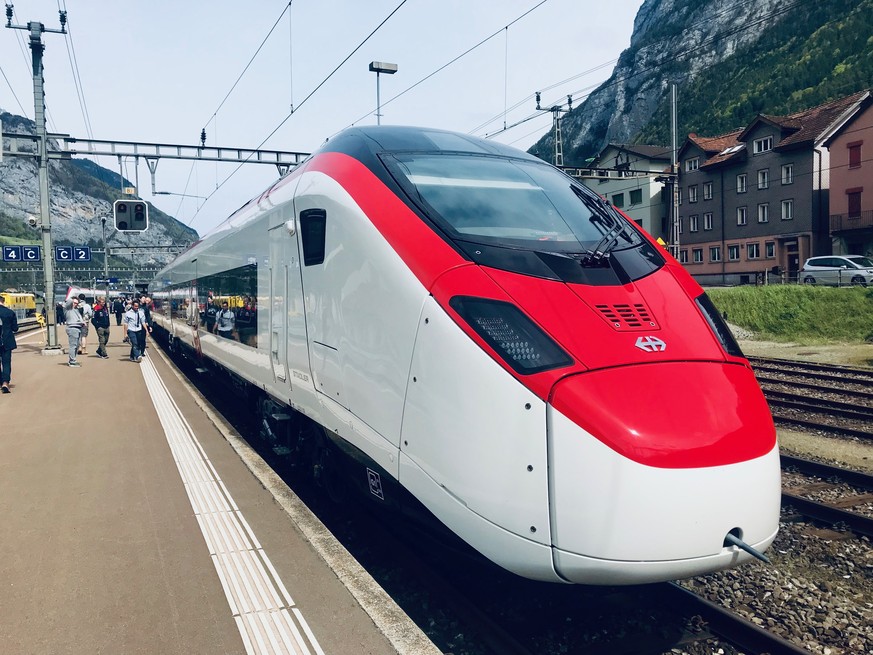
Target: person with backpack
column 100, row 321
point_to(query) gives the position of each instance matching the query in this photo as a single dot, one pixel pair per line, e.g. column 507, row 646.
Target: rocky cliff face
column 672, row 41
column 78, row 201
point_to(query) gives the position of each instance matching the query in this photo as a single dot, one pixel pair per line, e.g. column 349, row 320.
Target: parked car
column 838, row 270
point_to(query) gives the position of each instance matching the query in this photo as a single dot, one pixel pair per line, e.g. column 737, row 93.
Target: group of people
column 78, row 315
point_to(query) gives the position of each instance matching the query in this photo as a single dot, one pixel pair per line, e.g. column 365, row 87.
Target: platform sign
column 31, row 253
column 11, row 253
column 63, row 253
column 81, row 254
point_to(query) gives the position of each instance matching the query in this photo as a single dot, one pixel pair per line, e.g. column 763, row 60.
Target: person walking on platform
column 100, row 320
column 118, row 310
column 73, row 319
column 134, row 326
column 86, row 311
column 8, row 328
column 145, row 304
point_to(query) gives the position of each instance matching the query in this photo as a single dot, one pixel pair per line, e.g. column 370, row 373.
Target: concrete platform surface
column 134, row 520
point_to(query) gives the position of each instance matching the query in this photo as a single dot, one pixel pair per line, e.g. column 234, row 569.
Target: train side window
column 313, row 229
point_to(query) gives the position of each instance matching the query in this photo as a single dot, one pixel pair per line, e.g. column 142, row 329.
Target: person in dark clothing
column 8, row 328
column 145, row 304
column 211, row 313
column 118, row 310
column 100, row 320
column 60, row 314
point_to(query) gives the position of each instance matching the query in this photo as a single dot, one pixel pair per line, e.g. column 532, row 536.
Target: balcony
column 848, row 222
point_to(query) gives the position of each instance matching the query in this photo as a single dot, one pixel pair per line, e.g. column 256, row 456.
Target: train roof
column 373, row 140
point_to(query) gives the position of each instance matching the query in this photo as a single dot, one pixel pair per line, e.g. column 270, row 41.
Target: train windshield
column 511, row 203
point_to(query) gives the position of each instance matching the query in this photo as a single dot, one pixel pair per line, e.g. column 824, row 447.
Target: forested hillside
column 731, row 60
column 816, row 52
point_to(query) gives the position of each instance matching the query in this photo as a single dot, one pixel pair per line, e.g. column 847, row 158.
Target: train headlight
column 719, row 326
column 517, row 339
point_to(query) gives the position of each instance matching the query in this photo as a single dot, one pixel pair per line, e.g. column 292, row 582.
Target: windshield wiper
column 605, row 214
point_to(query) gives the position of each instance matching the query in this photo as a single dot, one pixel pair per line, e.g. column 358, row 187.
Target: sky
column 279, row 76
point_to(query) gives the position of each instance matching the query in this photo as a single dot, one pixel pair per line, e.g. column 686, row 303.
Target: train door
column 278, row 307
column 289, row 354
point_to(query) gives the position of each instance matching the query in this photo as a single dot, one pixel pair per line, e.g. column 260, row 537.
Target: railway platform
column 136, row 521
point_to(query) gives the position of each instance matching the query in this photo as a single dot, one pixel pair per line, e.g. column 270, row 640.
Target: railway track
column 827, row 481
column 818, row 397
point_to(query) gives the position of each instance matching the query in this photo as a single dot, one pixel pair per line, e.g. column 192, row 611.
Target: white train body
column 541, row 472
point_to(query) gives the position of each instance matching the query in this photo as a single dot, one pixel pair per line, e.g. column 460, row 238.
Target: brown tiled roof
column 715, row 146
column 808, row 125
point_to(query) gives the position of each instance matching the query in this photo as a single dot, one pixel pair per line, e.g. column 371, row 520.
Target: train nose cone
column 652, row 465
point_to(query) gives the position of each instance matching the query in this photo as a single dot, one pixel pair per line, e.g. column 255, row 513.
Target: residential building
column 851, row 183
column 626, row 176
column 754, row 202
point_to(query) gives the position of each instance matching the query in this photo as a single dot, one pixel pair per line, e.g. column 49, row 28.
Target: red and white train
column 490, row 339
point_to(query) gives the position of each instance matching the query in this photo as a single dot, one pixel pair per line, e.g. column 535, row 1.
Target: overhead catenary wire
column 77, row 78
column 246, row 68
column 449, row 63
column 311, row 93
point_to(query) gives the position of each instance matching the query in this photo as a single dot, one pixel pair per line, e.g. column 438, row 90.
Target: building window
column 741, row 183
column 618, row 200
column 683, row 256
column 741, row 216
column 763, row 212
column 707, row 191
column 636, row 196
column 734, row 253
column 753, row 250
column 763, row 145
column 707, row 221
column 692, row 164
column 679, row 193
column 697, row 253
column 715, row 254
column 854, row 198
column 692, row 193
column 770, row 249
column 787, row 173
column 693, row 223
column 787, row 210
column 854, row 154
column 764, row 179
column 681, row 224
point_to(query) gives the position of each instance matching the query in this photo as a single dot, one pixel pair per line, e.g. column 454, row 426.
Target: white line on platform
column 263, row 610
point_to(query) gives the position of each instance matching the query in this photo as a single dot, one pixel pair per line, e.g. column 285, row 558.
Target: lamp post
column 381, row 67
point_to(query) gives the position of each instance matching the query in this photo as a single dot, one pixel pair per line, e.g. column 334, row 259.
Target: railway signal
column 131, row 215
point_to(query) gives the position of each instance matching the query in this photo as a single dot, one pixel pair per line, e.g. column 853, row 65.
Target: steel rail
column 734, row 628
column 827, row 471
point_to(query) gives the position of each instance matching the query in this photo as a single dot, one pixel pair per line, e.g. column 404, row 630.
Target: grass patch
column 799, row 313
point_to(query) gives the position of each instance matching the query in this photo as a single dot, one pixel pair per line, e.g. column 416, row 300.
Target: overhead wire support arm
column 73, row 146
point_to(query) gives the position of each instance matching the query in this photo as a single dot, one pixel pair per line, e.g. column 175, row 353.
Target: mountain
column 81, row 193
column 731, row 60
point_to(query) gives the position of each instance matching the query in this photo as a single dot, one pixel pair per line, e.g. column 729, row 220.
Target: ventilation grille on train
column 631, row 316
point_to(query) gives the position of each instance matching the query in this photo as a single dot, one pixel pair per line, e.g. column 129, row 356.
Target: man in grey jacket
column 74, row 329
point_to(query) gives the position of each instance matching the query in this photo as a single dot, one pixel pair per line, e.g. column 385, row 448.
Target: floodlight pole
column 381, row 67
column 36, row 48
